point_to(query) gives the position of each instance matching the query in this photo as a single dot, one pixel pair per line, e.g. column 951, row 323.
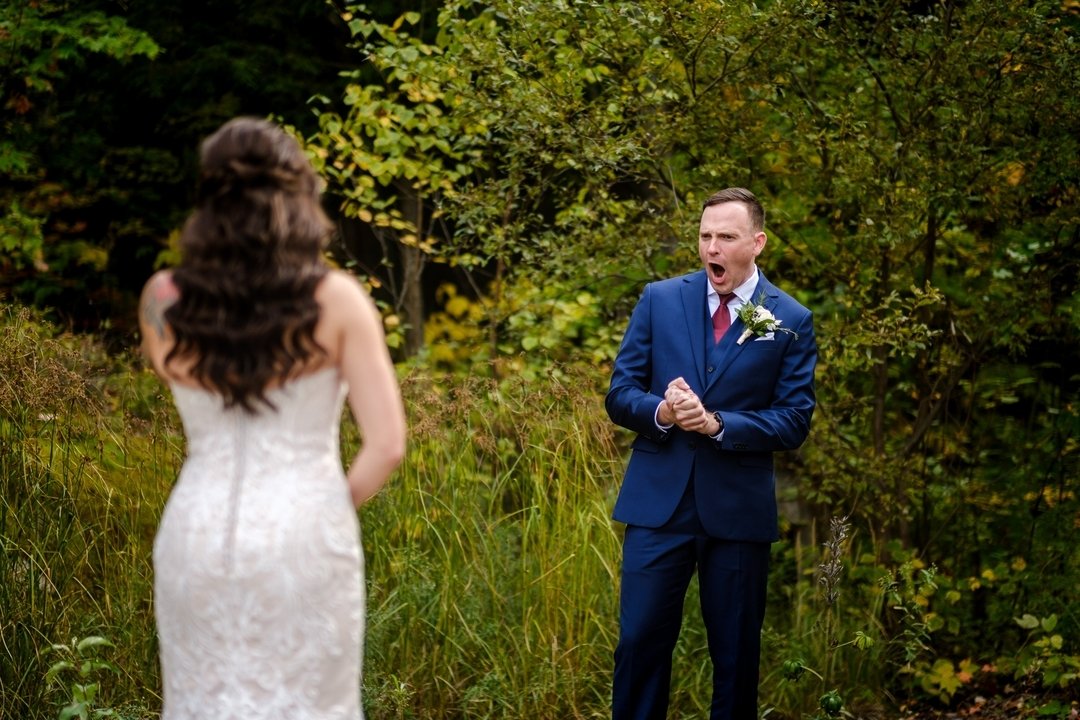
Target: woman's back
column 258, row 567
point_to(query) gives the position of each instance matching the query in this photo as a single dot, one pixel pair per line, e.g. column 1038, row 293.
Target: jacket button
column 709, row 369
column 691, row 444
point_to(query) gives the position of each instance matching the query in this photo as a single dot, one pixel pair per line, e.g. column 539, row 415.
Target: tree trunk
column 412, row 297
column 412, row 270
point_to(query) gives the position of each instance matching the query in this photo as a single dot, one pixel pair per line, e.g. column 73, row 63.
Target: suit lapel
column 694, row 310
column 728, row 348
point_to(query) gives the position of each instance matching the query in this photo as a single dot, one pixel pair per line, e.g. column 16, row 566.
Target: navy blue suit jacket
column 764, row 389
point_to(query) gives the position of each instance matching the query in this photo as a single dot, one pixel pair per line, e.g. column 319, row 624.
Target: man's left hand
column 690, row 414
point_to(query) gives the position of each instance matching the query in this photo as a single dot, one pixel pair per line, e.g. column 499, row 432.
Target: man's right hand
column 682, row 407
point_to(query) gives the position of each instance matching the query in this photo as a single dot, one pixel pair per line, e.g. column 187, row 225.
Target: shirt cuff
column 656, row 419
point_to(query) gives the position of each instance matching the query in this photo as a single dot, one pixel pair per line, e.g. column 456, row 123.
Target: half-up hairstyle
column 251, row 257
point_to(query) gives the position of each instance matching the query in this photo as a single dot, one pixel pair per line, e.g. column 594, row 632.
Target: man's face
column 728, row 245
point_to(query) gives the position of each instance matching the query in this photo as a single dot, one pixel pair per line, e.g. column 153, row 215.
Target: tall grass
column 494, row 569
column 84, row 462
column 492, row 557
column 492, row 562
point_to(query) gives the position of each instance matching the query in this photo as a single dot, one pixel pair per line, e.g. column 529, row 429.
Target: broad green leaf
column 1028, row 621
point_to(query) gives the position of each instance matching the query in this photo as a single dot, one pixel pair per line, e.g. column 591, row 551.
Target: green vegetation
column 508, row 174
column 82, row 662
column 492, row 562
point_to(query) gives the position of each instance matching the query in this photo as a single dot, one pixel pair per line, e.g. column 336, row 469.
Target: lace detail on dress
column 258, row 570
column 237, row 486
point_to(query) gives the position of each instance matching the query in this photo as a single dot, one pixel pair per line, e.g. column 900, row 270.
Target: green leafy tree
column 40, row 44
column 937, row 213
column 106, row 148
column 919, row 164
column 535, row 132
column 396, row 152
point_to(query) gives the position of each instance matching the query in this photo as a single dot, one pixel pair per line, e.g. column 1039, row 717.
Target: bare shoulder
column 347, row 314
column 159, row 293
column 340, row 295
column 337, row 282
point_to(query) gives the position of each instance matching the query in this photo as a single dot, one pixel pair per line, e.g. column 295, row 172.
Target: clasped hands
column 682, row 407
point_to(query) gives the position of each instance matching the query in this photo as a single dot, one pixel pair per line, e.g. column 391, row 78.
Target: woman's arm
column 157, row 338
column 359, row 347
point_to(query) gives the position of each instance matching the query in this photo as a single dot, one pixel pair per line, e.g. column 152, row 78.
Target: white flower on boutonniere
column 759, row 321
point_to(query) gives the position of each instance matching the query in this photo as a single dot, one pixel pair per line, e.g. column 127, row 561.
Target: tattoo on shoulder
column 160, row 293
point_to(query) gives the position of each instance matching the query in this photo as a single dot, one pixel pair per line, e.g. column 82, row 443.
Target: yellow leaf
column 96, row 257
column 943, row 674
column 457, row 306
column 1013, row 173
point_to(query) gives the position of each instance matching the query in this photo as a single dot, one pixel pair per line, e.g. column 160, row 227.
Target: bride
column 258, row 569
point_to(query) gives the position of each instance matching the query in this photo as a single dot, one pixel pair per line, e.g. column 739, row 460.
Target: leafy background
column 505, row 177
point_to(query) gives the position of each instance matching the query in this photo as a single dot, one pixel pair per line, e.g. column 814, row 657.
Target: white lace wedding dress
column 258, row 570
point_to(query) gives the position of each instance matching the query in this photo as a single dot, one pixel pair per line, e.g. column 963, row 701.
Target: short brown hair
column 737, row 194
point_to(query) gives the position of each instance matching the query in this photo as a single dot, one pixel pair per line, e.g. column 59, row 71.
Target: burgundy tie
column 721, row 319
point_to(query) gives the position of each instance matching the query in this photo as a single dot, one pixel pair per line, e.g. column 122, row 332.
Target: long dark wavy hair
column 251, row 257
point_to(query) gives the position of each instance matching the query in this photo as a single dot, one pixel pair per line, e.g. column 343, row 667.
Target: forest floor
column 1005, row 706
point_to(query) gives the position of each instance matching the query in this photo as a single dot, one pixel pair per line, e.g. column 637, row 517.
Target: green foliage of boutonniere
column 759, row 321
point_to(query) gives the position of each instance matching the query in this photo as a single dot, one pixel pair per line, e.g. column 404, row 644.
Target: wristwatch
column 719, row 420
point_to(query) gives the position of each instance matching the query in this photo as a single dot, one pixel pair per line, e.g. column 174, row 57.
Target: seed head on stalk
column 831, row 567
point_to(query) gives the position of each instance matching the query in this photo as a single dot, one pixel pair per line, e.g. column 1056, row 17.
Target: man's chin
column 720, row 285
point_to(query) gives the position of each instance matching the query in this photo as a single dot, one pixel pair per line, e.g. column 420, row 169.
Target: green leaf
column 1054, row 708
column 92, row 641
column 56, row 669
column 1028, row 621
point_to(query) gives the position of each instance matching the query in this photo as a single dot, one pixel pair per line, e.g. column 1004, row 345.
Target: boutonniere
column 759, row 321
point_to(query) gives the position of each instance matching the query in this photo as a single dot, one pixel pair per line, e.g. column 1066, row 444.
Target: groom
column 709, row 410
